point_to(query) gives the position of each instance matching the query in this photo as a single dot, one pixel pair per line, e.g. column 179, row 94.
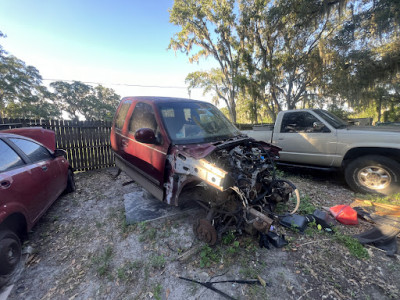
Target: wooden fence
column 87, row 142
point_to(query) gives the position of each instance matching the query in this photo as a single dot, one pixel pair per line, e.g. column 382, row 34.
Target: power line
column 121, row 84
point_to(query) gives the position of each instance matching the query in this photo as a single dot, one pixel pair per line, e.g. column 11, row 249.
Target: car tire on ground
column 373, row 174
column 10, row 251
column 70, row 182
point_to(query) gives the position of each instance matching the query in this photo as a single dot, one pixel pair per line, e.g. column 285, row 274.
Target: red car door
column 20, row 184
column 45, row 174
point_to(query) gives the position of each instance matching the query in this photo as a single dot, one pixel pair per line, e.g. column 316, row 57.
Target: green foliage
column 102, row 261
column 352, row 244
column 22, row 94
column 157, row 291
column 157, row 261
column 208, row 256
column 306, row 206
column 94, row 103
column 391, row 200
column 126, row 271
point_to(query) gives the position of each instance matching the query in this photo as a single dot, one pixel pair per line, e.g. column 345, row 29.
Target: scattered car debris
column 209, row 284
column 345, row 214
column 387, row 220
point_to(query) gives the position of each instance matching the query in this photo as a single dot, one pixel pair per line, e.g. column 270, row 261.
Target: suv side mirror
column 146, row 136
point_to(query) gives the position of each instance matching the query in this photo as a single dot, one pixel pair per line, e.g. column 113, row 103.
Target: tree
column 208, row 28
column 366, row 56
column 281, row 58
column 21, row 90
column 71, row 96
column 93, row 103
column 100, row 104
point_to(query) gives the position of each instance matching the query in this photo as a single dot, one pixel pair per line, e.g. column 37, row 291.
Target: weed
column 234, row 248
column 157, row 261
column 208, row 256
column 147, row 234
column 126, row 272
column 157, row 291
column 392, row 199
column 102, row 261
column 228, row 238
column 306, row 207
column 354, row 246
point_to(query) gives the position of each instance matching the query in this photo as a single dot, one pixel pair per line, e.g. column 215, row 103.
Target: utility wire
column 121, row 84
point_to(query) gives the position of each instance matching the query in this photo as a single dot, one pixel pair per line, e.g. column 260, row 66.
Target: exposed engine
column 250, row 191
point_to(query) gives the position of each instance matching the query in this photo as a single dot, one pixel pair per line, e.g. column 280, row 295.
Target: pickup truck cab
column 171, row 145
column 368, row 156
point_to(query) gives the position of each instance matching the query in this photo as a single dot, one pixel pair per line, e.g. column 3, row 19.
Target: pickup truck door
column 147, row 159
column 305, row 140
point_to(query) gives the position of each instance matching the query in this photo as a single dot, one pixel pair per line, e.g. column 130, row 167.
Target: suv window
column 34, row 151
column 119, row 122
column 8, row 158
column 298, row 122
column 143, row 117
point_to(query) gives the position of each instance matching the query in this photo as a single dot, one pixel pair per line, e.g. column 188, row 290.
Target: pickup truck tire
column 10, row 251
column 373, row 174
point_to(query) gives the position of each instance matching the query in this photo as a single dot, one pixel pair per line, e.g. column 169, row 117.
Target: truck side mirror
column 146, row 136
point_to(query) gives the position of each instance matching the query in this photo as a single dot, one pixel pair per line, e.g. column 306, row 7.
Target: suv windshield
column 333, row 120
column 195, row 122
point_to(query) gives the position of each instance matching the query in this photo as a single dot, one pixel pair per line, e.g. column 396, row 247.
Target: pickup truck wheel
column 373, row 174
column 10, row 251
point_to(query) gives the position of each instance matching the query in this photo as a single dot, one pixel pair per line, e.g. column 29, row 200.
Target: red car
column 33, row 174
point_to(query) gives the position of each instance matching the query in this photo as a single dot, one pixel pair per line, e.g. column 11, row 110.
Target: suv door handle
column 5, row 184
column 44, row 168
column 124, row 143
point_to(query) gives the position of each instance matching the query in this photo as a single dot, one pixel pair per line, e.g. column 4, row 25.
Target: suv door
column 148, row 159
column 303, row 140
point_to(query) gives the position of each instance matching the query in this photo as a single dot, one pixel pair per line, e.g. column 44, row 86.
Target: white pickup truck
column 368, row 156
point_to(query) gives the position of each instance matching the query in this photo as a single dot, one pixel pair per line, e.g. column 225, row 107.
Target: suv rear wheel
column 373, row 174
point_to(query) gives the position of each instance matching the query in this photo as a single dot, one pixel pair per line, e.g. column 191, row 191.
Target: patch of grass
column 208, row 256
column 234, row 248
column 228, row 238
column 354, row 246
column 306, row 206
column 102, row 261
column 147, row 233
column 392, row 199
column 126, row 271
column 157, row 261
column 157, row 291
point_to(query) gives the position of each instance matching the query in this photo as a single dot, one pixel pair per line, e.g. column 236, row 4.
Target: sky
column 114, row 43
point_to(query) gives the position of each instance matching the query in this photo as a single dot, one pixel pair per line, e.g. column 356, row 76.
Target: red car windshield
column 195, row 122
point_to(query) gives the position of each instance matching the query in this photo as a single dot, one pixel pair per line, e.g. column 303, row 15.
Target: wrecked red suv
column 32, row 176
column 169, row 145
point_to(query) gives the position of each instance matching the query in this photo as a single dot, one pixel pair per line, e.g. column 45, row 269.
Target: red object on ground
column 345, row 214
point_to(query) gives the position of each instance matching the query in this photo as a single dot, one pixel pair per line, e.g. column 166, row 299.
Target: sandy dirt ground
column 84, row 249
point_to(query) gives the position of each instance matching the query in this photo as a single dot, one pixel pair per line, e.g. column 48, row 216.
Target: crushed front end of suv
column 171, row 145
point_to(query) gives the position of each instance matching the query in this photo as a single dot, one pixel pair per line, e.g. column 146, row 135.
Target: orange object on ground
column 344, row 214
